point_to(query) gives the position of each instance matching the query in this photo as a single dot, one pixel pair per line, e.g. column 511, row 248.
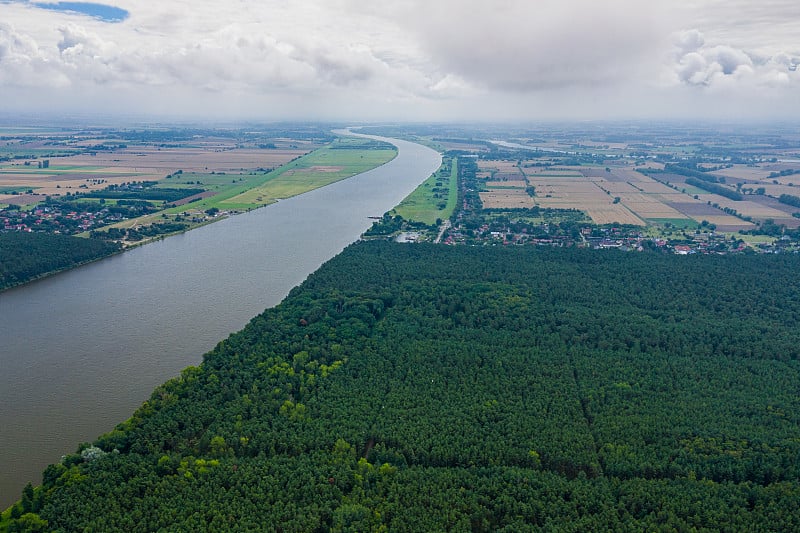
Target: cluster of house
column 624, row 238
column 53, row 219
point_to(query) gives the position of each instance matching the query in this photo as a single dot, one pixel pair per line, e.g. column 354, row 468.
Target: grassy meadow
column 435, row 198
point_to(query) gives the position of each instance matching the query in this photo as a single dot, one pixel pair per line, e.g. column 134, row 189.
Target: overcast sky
column 413, row 60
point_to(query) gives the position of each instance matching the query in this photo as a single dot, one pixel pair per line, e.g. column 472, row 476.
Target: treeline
column 789, row 199
column 433, row 388
column 27, row 256
column 140, row 232
column 672, row 168
column 389, row 224
column 716, row 189
column 362, row 144
column 783, row 173
column 148, row 193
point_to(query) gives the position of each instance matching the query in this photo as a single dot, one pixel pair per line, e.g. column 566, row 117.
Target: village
column 624, row 238
column 59, row 218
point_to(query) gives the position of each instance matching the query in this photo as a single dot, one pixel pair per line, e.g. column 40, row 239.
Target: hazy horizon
column 407, row 61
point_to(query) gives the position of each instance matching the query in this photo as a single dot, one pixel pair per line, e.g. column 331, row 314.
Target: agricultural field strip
column 777, row 190
column 594, row 193
column 507, row 199
column 506, row 184
column 746, row 207
column 724, row 220
column 139, row 164
column 614, row 214
column 667, row 195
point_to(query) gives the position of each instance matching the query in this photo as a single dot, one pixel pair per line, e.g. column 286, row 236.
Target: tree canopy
column 26, row 256
column 430, row 388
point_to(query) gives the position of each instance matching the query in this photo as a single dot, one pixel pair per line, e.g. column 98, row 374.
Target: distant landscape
column 610, row 186
column 573, row 328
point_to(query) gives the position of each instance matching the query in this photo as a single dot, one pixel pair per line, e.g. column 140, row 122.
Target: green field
column 688, row 189
column 755, row 239
column 192, row 180
column 342, row 159
column 12, row 190
column 424, row 204
column 679, row 223
column 562, row 175
column 240, row 192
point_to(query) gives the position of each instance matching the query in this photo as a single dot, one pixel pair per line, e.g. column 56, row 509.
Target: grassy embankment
column 435, row 198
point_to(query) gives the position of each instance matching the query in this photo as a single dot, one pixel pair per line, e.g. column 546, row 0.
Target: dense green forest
column 431, row 388
column 27, row 256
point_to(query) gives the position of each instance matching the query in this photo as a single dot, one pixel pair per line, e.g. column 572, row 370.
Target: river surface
column 81, row 350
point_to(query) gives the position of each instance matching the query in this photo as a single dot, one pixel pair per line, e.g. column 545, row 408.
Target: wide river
column 80, row 351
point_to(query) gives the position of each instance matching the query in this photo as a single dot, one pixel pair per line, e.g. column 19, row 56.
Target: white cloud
column 23, row 63
column 700, row 64
column 403, row 59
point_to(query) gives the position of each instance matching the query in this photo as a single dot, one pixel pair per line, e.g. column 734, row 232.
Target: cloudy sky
column 410, row 60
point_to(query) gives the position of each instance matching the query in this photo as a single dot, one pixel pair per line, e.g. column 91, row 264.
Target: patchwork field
column 85, row 172
column 745, row 207
column 760, row 173
column 626, row 196
column 494, row 170
column 570, row 191
column 554, row 173
column 175, row 182
column 507, row 185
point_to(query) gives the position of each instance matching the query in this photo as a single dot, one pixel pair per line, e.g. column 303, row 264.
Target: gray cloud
column 519, row 45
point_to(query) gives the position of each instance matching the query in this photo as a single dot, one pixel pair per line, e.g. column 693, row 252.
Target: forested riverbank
column 28, row 256
column 470, row 388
